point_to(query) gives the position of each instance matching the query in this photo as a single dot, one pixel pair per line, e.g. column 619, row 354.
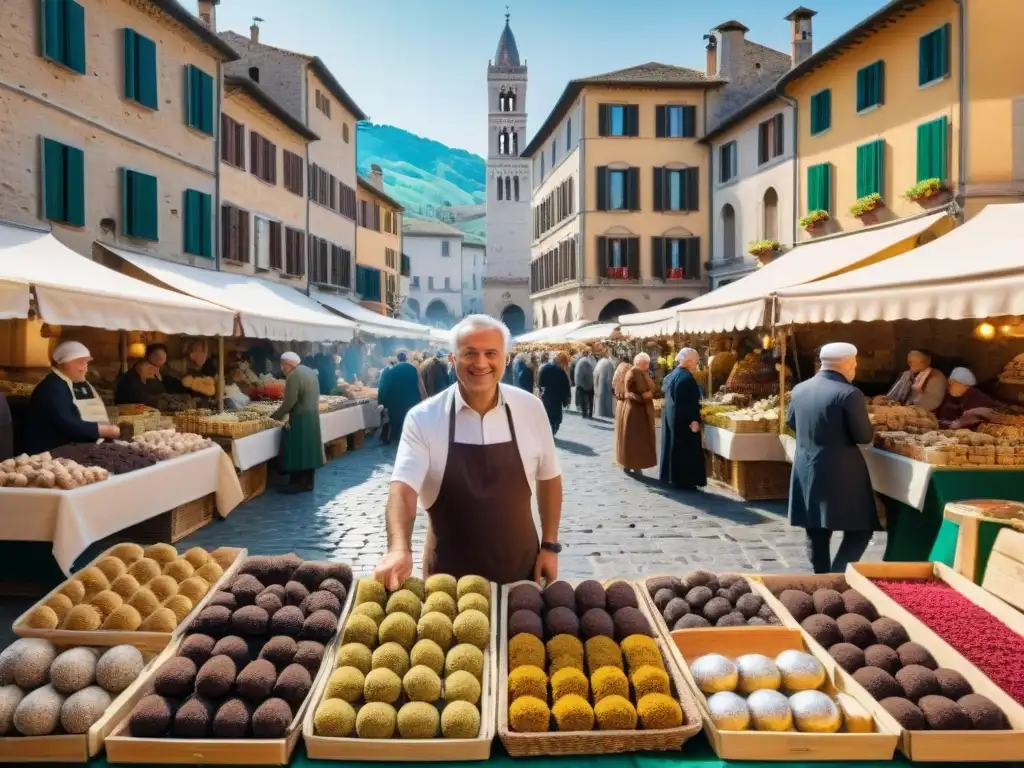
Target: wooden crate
column 1005, row 570
column 969, row 517
column 124, row 748
column 752, row 480
column 253, row 481
column 784, row 746
column 175, row 524
column 413, row 750
column 355, row 440
column 144, row 641
column 79, row 748
column 594, row 742
column 336, row 448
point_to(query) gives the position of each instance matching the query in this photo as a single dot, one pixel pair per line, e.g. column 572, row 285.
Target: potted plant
column 866, row 205
column 618, row 273
column 813, row 220
column 675, row 273
column 925, row 190
column 760, row 248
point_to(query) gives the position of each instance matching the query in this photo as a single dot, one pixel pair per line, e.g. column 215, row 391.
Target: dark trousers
column 585, row 400
column 850, row 550
column 302, row 480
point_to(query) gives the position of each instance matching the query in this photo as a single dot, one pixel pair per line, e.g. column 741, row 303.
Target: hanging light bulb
column 986, row 331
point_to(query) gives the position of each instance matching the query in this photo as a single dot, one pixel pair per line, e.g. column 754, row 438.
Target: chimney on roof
column 377, row 177
column 254, row 30
column 731, row 36
column 803, row 44
column 208, row 13
column 711, row 68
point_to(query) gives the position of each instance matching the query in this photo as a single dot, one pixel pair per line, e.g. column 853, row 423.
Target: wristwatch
column 551, row 546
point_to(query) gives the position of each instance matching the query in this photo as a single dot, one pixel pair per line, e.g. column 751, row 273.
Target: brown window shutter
column 659, row 188
column 692, row 254
column 602, row 120
column 689, row 122
column 602, row 256
column 659, row 124
column 633, row 257
column 633, row 120
column 780, row 136
column 691, row 190
column 633, row 189
column 602, row 187
column 254, row 145
column 658, row 257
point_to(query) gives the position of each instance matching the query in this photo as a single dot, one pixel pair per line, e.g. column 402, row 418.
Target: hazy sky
column 422, row 64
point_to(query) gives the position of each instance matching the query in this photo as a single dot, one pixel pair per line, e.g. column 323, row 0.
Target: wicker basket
column 752, row 480
column 253, row 481
column 594, row 742
column 176, row 524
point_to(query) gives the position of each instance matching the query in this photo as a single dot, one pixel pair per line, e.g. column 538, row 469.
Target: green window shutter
column 206, row 113
column 139, row 197
column 74, row 36
column 941, row 56
column 199, row 86
column 52, row 26
column 821, row 111
column 826, row 187
column 819, row 187
column 878, row 83
column 53, row 180
column 932, row 156
column 870, row 168
column 871, row 85
column 206, row 225
column 146, row 49
column 812, row 188
column 192, row 214
column 131, row 89
column 933, row 55
column 74, row 186
column 862, row 88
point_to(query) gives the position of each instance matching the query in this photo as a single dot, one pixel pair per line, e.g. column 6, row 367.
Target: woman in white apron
column 64, row 407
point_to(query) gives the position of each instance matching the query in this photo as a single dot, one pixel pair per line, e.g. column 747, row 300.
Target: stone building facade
column 436, row 256
column 378, row 245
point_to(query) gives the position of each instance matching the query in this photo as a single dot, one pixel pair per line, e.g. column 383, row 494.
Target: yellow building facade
column 378, row 246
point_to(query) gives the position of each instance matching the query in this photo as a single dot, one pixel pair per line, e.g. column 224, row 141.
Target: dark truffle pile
column 248, row 660
column 116, row 458
column 589, row 610
column 704, row 599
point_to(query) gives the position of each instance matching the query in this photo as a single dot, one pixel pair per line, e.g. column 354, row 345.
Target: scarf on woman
column 908, row 384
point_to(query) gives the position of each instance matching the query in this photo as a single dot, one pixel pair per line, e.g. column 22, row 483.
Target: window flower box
column 866, row 205
column 761, row 248
column 676, row 273
column 618, row 273
column 814, row 220
column 926, row 190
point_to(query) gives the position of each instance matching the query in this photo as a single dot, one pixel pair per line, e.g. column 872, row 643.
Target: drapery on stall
column 976, row 272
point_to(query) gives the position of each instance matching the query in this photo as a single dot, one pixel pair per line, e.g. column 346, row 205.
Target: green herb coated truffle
column 345, row 683
column 475, row 602
column 233, row 719
column 176, row 678
column 472, row 585
column 83, row 708
column 441, row 602
column 391, row 656
column 151, row 718
column 461, row 686
column 422, row 684
column 234, row 648
column 465, row 657
column 437, row 627
column 335, row 718
column 271, row 719
column 415, row 585
column 472, row 627
column 293, row 685
column 382, row 685
column 355, row 655
column 371, row 591
column 460, row 720
column 372, row 610
column 428, row 654
column 376, row 720
column 359, row 629
column 525, row 597
column 73, row 670
column 398, row 628
column 442, row 582
column 194, row 718
column 404, row 601
column 216, row 677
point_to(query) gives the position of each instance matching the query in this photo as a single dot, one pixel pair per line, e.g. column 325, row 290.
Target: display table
column 340, row 423
column 371, row 414
column 252, row 450
column 73, row 520
column 740, row 446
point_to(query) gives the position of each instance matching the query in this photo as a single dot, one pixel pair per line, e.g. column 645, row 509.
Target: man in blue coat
column 682, row 454
column 830, row 488
column 398, row 392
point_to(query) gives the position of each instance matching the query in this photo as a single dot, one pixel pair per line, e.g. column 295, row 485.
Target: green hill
column 426, row 176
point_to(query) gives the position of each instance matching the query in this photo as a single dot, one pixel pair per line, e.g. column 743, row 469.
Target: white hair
column 642, row 357
column 473, row 323
column 684, row 353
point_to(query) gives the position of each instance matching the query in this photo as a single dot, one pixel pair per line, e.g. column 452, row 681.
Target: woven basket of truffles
column 414, row 675
column 913, row 691
column 239, row 682
column 582, row 671
column 59, row 702
column 703, row 599
column 141, row 596
column 765, row 695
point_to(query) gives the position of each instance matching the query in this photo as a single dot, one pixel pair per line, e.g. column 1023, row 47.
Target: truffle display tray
column 438, row 749
column 104, row 638
column 788, row 745
column 945, row 746
column 664, row 630
column 595, row 742
column 1004, row 575
column 124, row 748
column 79, row 748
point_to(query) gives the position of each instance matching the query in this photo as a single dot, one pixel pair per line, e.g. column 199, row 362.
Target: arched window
column 515, row 187
column 728, row 232
column 511, row 102
column 503, row 142
column 515, row 143
column 568, row 313
column 501, row 189
column 554, row 316
column 770, row 212
column 508, row 188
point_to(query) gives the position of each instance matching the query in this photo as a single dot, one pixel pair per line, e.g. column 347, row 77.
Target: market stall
column 370, row 322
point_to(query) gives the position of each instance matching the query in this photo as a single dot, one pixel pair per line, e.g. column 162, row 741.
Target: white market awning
column 551, row 333
column 640, row 325
column 265, row 309
column 74, row 290
column 440, row 337
column 369, row 321
column 744, row 303
column 596, row 332
column 975, row 271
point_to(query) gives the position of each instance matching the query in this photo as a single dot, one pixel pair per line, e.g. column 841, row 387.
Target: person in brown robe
column 635, row 444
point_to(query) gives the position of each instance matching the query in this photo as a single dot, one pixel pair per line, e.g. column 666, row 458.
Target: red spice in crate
column 979, row 636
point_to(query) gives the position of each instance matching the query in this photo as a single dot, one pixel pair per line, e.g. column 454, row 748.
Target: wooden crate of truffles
column 702, row 599
column 615, row 690
column 130, row 594
column 419, row 665
column 59, row 702
column 912, row 684
column 237, row 687
column 764, row 695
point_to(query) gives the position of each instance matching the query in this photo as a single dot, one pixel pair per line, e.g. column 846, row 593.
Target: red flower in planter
column 676, row 273
column 618, row 273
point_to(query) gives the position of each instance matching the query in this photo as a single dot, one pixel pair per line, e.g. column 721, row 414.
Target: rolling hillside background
column 430, row 179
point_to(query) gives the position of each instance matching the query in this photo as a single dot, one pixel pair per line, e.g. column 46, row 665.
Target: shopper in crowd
column 433, row 374
column 524, row 373
column 920, row 384
column 163, row 381
column 635, row 443
column 64, row 408
column 584, row 376
column 604, row 394
column 302, row 447
column 964, row 404
column 399, row 391
column 470, row 458
column 139, row 385
column 830, row 489
column 682, row 454
column 555, row 391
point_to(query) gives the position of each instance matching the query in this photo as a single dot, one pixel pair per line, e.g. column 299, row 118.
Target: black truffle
column 630, row 621
column 340, row 572
column 952, row 684
column 199, row 648
column 295, row 593
column 944, row 714
column 590, row 594
column 213, row 620
column 798, row 603
column 525, row 620
column 700, row 578
column 336, row 588
column 766, row 612
column 559, row 593
column 984, row 715
column 233, row 647
column 245, row 588
column 889, row 632
column 279, row 651
column 287, row 621
column 823, row 629
column 918, row 681
column 847, row 656
column 856, row 629
column 175, row 678
column 562, row 621
column 524, row 597
column 737, row 590
column 596, row 622
column 691, row 621
column 905, row 713
column 879, row 683
column 216, row 677
column 271, row 719
column 726, row 580
column 321, row 600
column 311, row 573
column 151, row 717
column 257, row 566
column 828, row 602
column 194, row 718
column 309, row 654
column 249, row 621
column 256, row 681
column 319, row 626
column 713, row 584
column 277, row 590
column 716, row 608
column 658, row 583
column 756, row 621
column 915, row 653
column 663, row 597
column 223, row 598
column 293, row 685
column 749, row 604
column 883, row 657
column 269, row 602
column 698, row 597
column 620, row 595
column 855, row 602
column 675, row 610
column 281, row 567
column 732, row 619
column 290, row 562
column 232, row 719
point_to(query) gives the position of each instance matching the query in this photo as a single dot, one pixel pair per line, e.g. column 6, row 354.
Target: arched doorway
column 728, row 232
column 568, row 313
column 554, row 316
column 770, row 214
column 543, row 318
column 437, row 314
column 614, row 308
column 514, row 317
column 674, row 302
column 411, row 309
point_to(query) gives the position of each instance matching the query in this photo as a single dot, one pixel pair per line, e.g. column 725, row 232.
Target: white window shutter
column 261, row 242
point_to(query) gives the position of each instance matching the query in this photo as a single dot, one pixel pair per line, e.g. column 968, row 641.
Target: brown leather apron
column 482, row 520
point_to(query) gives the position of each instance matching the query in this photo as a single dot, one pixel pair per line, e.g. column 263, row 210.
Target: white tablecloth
column 371, row 415
column 73, row 520
column 251, row 450
column 762, row 446
column 788, row 443
column 340, row 423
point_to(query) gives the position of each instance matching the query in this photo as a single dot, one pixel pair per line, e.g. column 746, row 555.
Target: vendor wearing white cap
column 64, row 408
column 964, row 405
column 830, row 489
column 302, row 448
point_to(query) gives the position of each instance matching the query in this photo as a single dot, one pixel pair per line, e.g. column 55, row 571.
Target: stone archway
column 728, row 232
column 411, row 309
column 614, row 308
column 569, row 317
column 674, row 302
column 437, row 314
column 554, row 316
column 514, row 318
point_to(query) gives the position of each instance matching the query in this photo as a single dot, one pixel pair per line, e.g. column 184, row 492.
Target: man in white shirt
column 471, row 455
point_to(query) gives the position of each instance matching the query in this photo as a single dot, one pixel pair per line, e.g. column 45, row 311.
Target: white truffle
column 32, row 664
column 10, row 698
column 119, row 667
column 39, row 712
column 73, row 670
column 83, row 709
